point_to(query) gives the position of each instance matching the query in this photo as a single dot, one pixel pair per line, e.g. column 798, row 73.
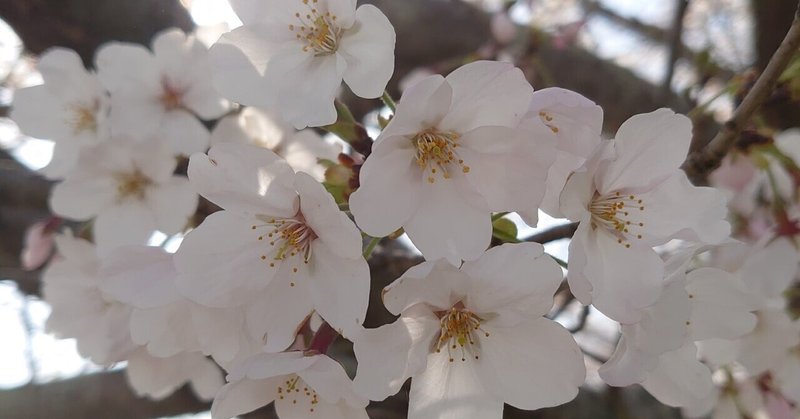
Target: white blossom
column 157, row 378
column 473, row 338
column 456, row 150
column 295, row 54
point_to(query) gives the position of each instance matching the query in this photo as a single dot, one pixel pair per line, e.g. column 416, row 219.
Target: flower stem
column 560, row 261
column 388, row 101
column 371, row 246
column 323, row 338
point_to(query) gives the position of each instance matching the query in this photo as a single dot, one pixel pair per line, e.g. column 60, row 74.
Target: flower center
column 436, row 151
column 295, row 389
column 547, row 119
column 318, row 31
column 171, row 97
column 83, row 118
column 460, row 328
column 132, row 184
column 619, row 214
column 288, row 237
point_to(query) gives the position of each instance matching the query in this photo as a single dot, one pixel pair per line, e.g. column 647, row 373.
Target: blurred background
column 629, row 56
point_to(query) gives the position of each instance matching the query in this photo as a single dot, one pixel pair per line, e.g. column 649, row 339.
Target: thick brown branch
column 563, row 231
column 675, row 44
column 699, row 164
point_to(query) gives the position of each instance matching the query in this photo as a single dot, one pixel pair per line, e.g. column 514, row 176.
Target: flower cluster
column 275, row 228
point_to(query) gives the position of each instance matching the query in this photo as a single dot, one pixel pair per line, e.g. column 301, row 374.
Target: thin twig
column 563, row 231
column 700, row 163
column 675, row 45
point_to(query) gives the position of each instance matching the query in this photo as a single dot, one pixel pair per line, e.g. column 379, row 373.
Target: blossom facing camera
column 457, row 149
column 295, row 53
column 473, row 338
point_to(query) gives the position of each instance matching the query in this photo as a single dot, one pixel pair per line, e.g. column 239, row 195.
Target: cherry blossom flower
column 300, row 385
column 296, row 53
column 577, row 123
column 473, row 338
column 80, row 310
column 280, row 249
column 629, row 197
column 70, row 109
column 301, row 149
column 456, row 150
column 131, row 191
column 161, row 93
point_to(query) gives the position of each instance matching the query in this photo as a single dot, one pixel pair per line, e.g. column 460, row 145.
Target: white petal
column 245, row 178
column 516, row 280
column 680, row 379
column 390, row 189
column 183, row 133
column 275, row 315
column 769, row 342
column 389, row 355
column 770, row 270
column 220, row 261
column 678, row 209
column 721, row 306
column 440, row 232
column 533, row 365
column 438, row 284
column 244, row 396
column 368, row 48
column 174, row 203
column 40, row 114
column 122, row 65
column 334, row 230
column 124, row 224
column 579, row 284
column 239, row 59
column 451, row 390
column 422, row 106
column 339, row 288
column 141, row 276
column 487, row 93
column 330, row 381
column 83, row 196
column 650, row 147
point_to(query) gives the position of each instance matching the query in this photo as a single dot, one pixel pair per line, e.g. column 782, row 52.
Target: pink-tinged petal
column 173, row 202
column 39, row 244
column 368, row 48
column 650, row 147
column 788, row 377
column 487, row 93
column 439, row 231
column 183, row 133
column 345, row 12
column 140, row 276
column 512, row 179
column 389, row 355
column 330, row 381
column 533, row 365
column 245, row 178
column 435, row 283
column 339, row 288
column 334, row 230
column 513, row 280
column 422, row 106
column 677, row 209
column 680, row 379
column 721, row 305
column 239, row 59
column 83, row 196
column 245, row 395
column 624, row 280
column 451, row 390
column 127, row 223
column 769, row 271
column 275, row 315
column 772, row 338
column 390, row 190
column 220, row 261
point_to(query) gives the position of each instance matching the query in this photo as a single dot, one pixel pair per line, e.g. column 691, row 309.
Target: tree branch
column 675, row 44
column 700, row 163
column 563, row 231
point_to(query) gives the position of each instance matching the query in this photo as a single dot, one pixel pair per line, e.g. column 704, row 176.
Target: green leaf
column 505, row 230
